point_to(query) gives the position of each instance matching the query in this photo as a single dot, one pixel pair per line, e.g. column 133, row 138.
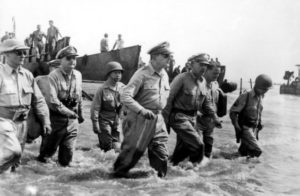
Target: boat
column 292, row 87
column 93, row 67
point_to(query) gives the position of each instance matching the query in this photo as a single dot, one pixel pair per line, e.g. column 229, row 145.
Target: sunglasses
column 70, row 58
column 166, row 56
column 20, row 52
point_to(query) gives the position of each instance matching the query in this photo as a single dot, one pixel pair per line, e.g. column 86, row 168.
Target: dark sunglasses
column 20, row 52
column 201, row 63
column 166, row 56
column 70, row 58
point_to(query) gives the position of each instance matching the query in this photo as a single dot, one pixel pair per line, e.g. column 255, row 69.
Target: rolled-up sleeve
column 130, row 90
column 239, row 104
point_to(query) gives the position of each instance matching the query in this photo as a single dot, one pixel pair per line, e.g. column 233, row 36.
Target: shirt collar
column 253, row 94
column 152, row 71
column 107, row 85
column 64, row 73
column 195, row 78
column 10, row 70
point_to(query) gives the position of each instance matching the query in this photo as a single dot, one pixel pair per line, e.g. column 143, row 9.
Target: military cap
column 162, row 48
column 67, row 51
column 201, row 58
column 54, row 63
column 12, row 45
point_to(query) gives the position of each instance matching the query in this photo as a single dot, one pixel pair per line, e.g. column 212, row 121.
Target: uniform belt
column 186, row 112
column 15, row 113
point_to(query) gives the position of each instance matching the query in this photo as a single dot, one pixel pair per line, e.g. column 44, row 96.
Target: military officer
column 245, row 116
column 65, row 106
column 106, row 107
column 205, row 121
column 187, row 95
column 19, row 91
column 145, row 96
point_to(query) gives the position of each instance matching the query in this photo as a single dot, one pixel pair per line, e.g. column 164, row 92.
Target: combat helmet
column 113, row 66
column 263, row 81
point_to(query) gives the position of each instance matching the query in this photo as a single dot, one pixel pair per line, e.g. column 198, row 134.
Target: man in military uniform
column 65, row 106
column 38, row 44
column 145, row 96
column 52, row 37
column 245, row 115
column 187, row 95
column 106, row 106
column 19, row 91
column 205, row 121
column 104, row 44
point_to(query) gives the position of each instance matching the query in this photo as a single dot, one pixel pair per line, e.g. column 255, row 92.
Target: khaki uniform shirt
column 19, row 89
column 188, row 94
column 252, row 111
column 37, row 36
column 52, row 33
column 61, row 86
column 105, row 102
column 213, row 94
column 146, row 89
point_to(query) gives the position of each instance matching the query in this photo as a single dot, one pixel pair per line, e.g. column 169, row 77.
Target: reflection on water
column 274, row 173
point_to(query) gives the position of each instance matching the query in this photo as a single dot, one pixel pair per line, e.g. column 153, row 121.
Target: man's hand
column 218, row 123
column 74, row 115
column 47, row 130
column 148, row 114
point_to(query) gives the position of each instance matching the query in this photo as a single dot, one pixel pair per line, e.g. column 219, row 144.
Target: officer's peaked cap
column 162, row 48
column 67, row 51
column 201, row 58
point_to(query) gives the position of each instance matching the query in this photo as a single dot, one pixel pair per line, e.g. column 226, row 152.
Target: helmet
column 113, row 66
column 11, row 45
column 263, row 81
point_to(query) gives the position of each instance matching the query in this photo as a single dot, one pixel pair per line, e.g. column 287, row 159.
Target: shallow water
column 276, row 172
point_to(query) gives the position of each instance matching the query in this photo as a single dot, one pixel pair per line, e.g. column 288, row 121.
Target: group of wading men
column 149, row 107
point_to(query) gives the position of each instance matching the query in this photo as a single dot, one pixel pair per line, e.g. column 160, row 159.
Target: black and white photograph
column 149, row 98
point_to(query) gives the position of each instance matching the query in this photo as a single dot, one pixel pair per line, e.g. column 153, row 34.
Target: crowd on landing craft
column 150, row 107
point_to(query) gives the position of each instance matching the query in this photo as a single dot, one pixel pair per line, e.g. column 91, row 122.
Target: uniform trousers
column 140, row 134
column 249, row 144
column 63, row 136
column 189, row 142
column 206, row 126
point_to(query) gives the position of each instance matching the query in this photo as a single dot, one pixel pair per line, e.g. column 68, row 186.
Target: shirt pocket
column 151, row 86
column 108, row 100
column 27, row 93
column 63, row 91
column 252, row 112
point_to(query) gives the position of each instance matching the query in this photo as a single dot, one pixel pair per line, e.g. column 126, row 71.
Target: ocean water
column 276, row 172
